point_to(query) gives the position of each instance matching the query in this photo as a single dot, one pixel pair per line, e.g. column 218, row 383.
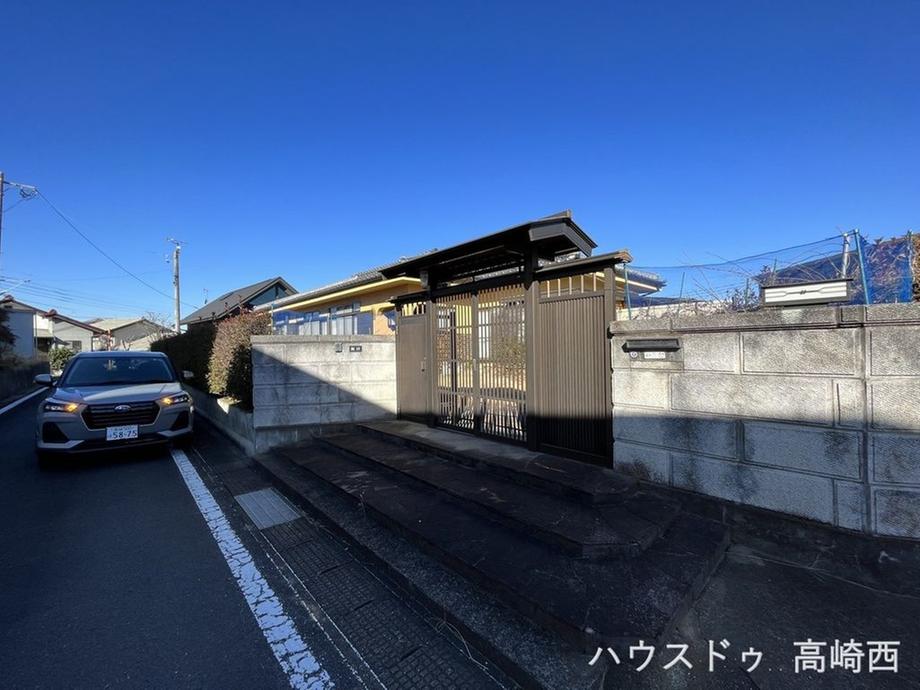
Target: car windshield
column 103, row 371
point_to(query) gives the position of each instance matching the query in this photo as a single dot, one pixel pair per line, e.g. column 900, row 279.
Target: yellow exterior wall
column 374, row 297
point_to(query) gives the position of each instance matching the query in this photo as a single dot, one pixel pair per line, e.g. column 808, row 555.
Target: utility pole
column 845, row 258
column 175, row 261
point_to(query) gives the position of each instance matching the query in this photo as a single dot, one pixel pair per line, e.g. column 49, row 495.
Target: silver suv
column 112, row 399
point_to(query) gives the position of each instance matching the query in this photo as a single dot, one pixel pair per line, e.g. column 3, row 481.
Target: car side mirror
column 44, row 380
column 188, row 375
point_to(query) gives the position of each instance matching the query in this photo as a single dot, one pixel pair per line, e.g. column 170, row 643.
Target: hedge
column 190, row 351
column 230, row 368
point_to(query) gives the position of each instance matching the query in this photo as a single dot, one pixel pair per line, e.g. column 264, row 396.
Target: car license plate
column 120, row 433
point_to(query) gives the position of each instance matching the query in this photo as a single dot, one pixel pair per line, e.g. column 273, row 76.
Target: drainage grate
column 267, row 508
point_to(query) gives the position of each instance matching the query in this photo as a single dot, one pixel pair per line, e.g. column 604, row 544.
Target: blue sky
column 312, row 140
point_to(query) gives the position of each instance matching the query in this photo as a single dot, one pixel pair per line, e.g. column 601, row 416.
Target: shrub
column 190, row 351
column 58, row 357
column 230, row 370
column 915, row 268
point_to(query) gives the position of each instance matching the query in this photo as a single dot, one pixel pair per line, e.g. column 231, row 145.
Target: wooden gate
column 573, row 377
column 481, row 383
column 412, row 366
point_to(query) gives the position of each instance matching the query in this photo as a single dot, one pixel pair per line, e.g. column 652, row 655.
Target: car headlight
column 174, row 399
column 52, row 405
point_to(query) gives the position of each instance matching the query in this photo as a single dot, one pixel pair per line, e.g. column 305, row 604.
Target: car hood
column 124, row 393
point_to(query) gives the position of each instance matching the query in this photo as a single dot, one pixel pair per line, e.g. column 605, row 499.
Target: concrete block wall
column 812, row 412
column 310, row 381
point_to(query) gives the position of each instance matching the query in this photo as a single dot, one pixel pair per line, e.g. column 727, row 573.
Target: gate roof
column 548, row 238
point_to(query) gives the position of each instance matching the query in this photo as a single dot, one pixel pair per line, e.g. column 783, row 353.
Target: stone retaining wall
column 812, row 412
column 311, row 381
column 307, row 385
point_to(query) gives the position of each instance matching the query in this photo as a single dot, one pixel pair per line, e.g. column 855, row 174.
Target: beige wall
column 811, row 412
column 304, row 380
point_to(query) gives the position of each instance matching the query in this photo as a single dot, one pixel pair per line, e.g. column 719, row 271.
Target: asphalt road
column 109, row 576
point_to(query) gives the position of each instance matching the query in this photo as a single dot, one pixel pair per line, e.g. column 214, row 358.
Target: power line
column 66, row 294
column 103, row 252
column 159, row 271
column 75, row 300
column 47, row 302
column 69, row 280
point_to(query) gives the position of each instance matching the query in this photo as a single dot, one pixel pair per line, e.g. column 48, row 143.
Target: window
column 270, row 295
column 344, row 320
column 313, row 323
column 340, row 320
column 76, row 345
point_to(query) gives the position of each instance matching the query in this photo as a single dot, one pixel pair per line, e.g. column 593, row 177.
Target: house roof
column 10, row 302
column 371, row 275
column 53, row 314
column 113, row 324
column 548, row 237
column 227, row 302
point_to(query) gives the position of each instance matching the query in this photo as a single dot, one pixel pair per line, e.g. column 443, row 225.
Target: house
column 641, row 284
column 358, row 305
column 240, row 300
column 76, row 335
column 131, row 333
column 363, row 303
column 21, row 322
column 37, row 330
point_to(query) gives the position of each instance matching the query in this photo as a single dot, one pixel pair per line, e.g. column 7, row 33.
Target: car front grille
column 101, row 416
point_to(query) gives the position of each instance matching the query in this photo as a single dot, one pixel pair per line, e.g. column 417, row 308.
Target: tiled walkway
column 401, row 646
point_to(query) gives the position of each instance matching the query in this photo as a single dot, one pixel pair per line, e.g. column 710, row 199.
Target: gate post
column 531, row 297
column 610, row 314
column 434, row 372
column 474, row 345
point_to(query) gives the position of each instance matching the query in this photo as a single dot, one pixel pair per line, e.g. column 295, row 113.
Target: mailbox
column 652, row 345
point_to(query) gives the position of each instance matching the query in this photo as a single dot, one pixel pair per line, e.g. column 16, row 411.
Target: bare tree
column 160, row 320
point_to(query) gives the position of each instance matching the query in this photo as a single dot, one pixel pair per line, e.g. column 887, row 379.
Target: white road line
column 22, row 400
column 294, row 656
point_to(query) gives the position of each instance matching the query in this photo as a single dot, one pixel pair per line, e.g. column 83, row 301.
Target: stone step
column 550, row 473
column 533, row 657
column 625, row 527
column 587, row 603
